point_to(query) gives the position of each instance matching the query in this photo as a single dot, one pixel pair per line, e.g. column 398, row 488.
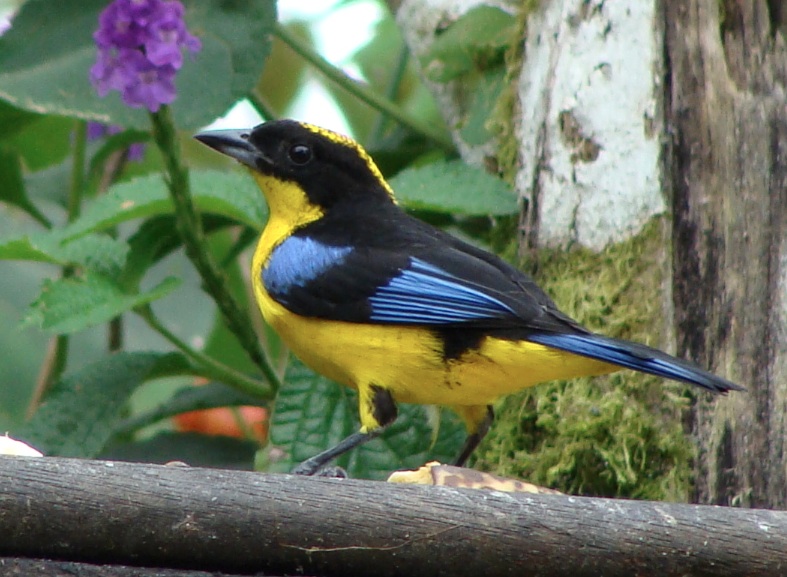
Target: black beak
column 233, row 143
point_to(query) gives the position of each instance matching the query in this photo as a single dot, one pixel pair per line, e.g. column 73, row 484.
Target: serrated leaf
column 99, row 252
column 231, row 194
column 72, row 304
column 80, row 412
column 476, row 41
column 453, row 187
column 50, row 75
column 312, row 414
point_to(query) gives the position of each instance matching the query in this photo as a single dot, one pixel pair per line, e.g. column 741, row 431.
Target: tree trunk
column 727, row 165
column 629, row 109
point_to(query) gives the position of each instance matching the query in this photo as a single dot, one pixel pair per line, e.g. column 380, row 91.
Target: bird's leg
column 477, row 433
column 314, row 464
column 377, row 409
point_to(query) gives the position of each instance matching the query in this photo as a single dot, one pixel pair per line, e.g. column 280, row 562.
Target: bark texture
column 232, row 521
column 726, row 111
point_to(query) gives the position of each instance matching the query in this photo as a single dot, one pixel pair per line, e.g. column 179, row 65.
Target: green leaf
column 193, row 448
column 99, row 252
column 80, row 412
column 50, row 75
column 39, row 248
column 487, row 89
column 43, row 141
column 476, row 41
column 156, row 238
column 72, row 304
column 12, row 119
column 13, row 190
column 312, row 414
column 454, row 187
column 233, row 194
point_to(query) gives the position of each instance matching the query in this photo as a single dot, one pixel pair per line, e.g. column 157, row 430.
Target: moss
column 500, row 122
column 619, row 435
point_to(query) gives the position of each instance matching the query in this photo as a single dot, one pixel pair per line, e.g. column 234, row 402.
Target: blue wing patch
column 299, row 260
column 426, row 294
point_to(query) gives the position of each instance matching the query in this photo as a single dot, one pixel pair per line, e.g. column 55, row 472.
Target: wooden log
column 24, row 567
column 233, row 521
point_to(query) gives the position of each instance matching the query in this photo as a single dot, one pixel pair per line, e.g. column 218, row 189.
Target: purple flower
column 140, row 49
column 167, row 34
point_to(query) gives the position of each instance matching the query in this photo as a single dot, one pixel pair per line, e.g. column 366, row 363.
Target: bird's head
column 328, row 168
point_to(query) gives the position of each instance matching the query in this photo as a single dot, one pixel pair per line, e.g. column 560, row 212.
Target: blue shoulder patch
column 426, row 294
column 297, row 260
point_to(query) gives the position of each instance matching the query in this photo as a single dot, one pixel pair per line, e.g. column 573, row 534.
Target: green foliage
column 477, row 40
column 500, row 113
column 473, row 49
column 13, row 191
column 455, row 187
column 82, row 409
column 233, row 195
column 49, row 76
column 92, row 240
column 73, row 304
column 104, row 238
column 615, row 436
column 313, row 415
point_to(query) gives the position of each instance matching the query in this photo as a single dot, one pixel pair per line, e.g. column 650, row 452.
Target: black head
column 329, row 167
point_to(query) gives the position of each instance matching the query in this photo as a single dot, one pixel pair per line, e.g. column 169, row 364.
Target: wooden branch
column 180, row 517
column 20, row 566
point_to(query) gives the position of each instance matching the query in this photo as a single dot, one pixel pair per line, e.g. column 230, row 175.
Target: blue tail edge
column 637, row 357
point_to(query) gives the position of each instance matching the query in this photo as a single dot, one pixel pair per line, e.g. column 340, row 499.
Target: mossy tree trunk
column 726, row 106
column 624, row 112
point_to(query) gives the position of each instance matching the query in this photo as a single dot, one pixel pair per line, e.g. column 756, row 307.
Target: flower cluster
column 140, row 46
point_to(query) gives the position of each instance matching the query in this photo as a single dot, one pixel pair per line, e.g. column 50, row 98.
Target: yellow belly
column 408, row 361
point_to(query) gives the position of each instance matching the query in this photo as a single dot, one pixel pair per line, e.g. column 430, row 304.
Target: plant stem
column 52, row 367
column 77, row 183
column 261, row 106
column 213, row 369
column 57, row 354
column 190, row 228
column 361, row 91
column 390, row 93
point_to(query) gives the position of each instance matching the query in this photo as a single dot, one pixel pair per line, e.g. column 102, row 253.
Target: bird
column 401, row 311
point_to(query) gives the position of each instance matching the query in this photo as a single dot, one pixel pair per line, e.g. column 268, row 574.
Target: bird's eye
column 300, row 154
